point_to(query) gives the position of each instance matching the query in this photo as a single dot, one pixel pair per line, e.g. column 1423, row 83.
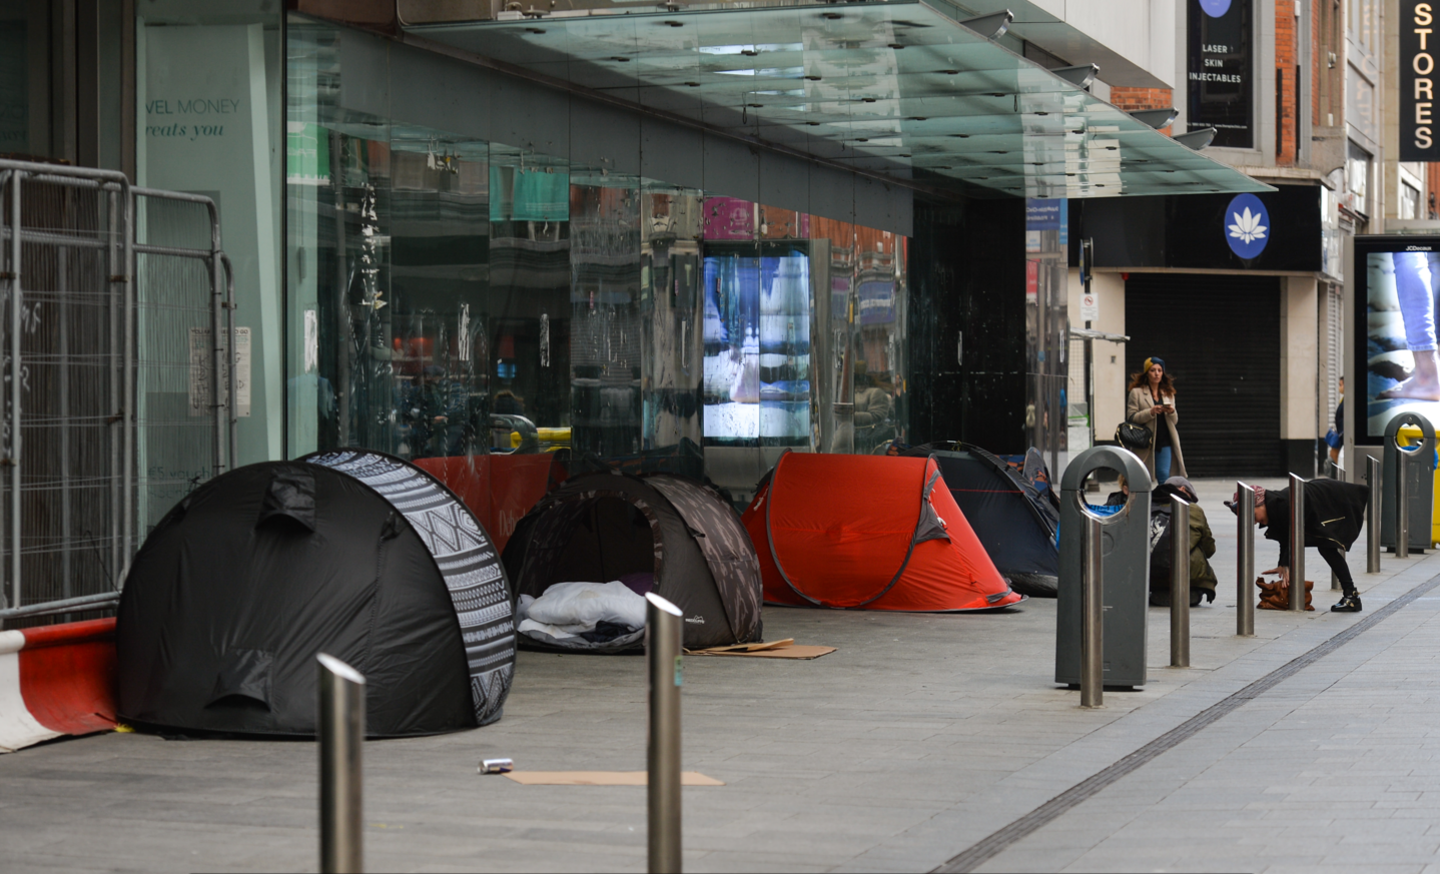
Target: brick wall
column 1431, row 207
column 1287, row 55
column 1131, row 99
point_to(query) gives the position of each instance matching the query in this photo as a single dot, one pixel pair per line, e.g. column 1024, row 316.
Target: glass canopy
column 898, row 89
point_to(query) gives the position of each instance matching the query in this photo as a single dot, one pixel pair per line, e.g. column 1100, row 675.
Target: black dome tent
column 607, row 525
column 1014, row 521
column 353, row 553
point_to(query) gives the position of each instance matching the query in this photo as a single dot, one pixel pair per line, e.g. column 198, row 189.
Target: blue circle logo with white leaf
column 1215, row 8
column 1247, row 226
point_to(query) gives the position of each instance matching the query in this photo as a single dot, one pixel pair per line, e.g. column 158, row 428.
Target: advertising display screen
column 1396, row 283
column 757, row 345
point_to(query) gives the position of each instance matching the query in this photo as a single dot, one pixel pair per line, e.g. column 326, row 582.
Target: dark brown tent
column 604, row 526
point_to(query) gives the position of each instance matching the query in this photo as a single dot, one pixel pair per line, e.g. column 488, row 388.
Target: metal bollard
column 1245, row 563
column 1092, row 617
column 1179, row 582
column 1402, row 510
column 663, row 652
column 1297, row 543
column 342, row 733
column 1372, row 516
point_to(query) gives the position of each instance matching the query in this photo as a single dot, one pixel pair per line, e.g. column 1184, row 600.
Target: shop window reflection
column 605, row 345
column 463, row 298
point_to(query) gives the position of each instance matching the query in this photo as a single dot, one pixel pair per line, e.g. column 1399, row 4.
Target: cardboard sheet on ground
column 775, row 649
column 603, row 778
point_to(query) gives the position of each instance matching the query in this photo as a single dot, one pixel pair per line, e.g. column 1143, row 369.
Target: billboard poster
column 1221, row 71
column 1419, row 138
column 1397, row 280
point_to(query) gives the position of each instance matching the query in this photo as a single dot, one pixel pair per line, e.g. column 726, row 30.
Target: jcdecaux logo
column 1247, row 226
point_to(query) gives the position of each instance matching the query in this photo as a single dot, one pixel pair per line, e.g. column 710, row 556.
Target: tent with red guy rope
column 869, row 532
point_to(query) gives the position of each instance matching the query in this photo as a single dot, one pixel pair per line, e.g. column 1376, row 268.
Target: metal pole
column 1297, row 542
column 115, row 270
column 1402, row 504
column 1245, row 563
column 1372, row 517
column 342, row 733
column 232, row 390
column 218, row 363
column 1179, row 582
column 15, row 389
column 130, row 418
column 12, row 178
column 663, row 653
column 1092, row 616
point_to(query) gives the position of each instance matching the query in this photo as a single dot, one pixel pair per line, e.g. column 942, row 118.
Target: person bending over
column 1334, row 513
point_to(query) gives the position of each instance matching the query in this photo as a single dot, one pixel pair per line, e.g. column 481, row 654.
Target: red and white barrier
column 56, row 680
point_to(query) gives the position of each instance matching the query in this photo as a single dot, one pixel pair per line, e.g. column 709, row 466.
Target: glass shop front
column 458, row 297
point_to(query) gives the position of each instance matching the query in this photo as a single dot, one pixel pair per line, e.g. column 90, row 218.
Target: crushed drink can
column 495, row 766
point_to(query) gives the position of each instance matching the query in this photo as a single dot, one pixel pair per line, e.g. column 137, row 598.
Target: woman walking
column 1150, row 403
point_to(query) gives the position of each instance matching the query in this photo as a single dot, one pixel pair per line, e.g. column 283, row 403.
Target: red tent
column 498, row 489
column 869, row 531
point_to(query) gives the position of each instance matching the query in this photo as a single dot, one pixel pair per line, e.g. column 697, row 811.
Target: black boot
column 1348, row 603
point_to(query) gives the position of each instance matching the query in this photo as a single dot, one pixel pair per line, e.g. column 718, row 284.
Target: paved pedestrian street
column 925, row 742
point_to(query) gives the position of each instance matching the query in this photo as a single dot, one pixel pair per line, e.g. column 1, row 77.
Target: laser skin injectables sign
column 203, row 96
column 1221, row 71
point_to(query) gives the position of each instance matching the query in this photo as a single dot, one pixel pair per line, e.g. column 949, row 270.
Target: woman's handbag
column 1132, row 436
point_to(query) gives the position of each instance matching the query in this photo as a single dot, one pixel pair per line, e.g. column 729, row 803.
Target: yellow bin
column 1411, row 434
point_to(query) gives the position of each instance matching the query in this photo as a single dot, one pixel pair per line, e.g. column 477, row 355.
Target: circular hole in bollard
column 1107, row 481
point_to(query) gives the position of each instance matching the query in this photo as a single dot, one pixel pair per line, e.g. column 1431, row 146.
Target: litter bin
column 1408, row 435
column 1412, row 454
column 1125, row 583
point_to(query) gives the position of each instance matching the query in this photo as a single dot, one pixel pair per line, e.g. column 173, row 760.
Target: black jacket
column 1334, row 514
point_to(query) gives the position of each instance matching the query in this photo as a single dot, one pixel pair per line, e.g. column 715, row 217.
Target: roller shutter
column 1220, row 337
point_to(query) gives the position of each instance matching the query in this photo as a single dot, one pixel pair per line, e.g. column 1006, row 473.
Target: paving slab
column 922, row 735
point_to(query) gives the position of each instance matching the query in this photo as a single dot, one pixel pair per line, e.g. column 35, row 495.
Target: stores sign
column 1419, row 134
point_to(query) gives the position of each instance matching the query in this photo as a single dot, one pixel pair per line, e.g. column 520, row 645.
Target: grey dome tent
column 603, row 526
column 356, row 554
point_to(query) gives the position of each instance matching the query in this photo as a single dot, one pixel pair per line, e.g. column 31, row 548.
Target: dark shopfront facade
column 1250, row 328
column 716, row 232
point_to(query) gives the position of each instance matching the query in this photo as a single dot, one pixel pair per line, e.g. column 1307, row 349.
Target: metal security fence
column 111, row 303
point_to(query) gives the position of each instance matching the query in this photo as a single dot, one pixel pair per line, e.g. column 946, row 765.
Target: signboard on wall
column 1419, row 132
column 1221, row 71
